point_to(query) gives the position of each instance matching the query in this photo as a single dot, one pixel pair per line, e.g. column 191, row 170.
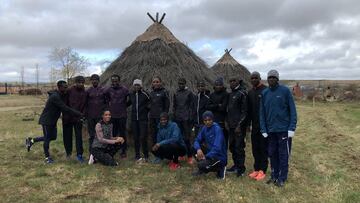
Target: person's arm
column 262, row 114
column 175, row 135
column 292, row 110
column 174, row 104
column 211, row 105
column 56, row 100
column 243, row 109
column 216, row 150
column 199, row 139
column 166, row 101
column 224, row 103
column 128, row 101
column 100, row 135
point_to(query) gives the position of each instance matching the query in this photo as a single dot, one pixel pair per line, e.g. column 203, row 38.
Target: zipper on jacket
column 137, row 106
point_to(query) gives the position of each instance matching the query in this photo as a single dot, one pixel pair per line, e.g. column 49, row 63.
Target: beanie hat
column 273, row 73
column 208, row 114
column 256, row 74
column 137, row 82
column 219, row 81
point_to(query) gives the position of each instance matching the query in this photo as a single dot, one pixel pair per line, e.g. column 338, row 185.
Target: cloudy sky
column 307, row 39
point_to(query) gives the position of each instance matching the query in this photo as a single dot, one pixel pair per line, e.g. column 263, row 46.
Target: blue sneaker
column 221, row 173
column 80, row 158
column 49, row 160
column 157, row 160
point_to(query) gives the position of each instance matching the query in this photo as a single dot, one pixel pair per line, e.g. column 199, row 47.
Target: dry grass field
column 324, row 166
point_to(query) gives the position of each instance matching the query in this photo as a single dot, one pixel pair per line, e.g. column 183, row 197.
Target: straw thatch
column 227, row 67
column 157, row 52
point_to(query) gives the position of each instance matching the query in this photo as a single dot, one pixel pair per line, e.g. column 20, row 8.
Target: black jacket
column 183, row 105
column 159, row 102
column 139, row 102
column 217, row 105
column 201, row 103
column 237, row 108
column 53, row 107
column 253, row 98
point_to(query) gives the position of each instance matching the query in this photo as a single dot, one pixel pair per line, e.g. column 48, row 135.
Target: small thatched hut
column 157, row 52
column 227, row 67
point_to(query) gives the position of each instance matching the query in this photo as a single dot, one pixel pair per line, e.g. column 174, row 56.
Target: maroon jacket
column 116, row 99
column 95, row 102
column 75, row 99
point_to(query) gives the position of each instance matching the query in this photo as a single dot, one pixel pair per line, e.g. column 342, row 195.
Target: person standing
column 218, row 104
column 278, row 120
column 169, row 142
column 95, row 105
column 76, row 99
column 49, row 117
column 159, row 102
column 183, row 109
column 258, row 142
column 116, row 100
column 210, row 148
column 201, row 101
column 139, row 101
column 105, row 145
column 237, row 112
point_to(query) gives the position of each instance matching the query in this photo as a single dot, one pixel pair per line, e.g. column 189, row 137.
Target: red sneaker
column 182, row 158
column 253, row 174
column 260, row 176
column 190, row 160
column 174, row 166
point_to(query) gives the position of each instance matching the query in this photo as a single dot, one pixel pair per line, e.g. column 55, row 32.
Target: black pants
column 106, row 155
column 226, row 133
column 119, row 129
column 153, row 123
column 49, row 134
column 91, row 129
column 140, row 135
column 68, row 137
column 209, row 165
column 237, row 149
column 170, row 151
column 185, row 128
column 259, row 150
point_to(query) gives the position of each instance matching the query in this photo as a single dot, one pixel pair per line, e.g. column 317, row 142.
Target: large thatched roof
column 157, row 52
column 227, row 67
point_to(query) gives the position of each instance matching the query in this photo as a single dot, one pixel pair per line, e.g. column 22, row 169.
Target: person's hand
column 120, row 140
column 265, row 135
column 156, row 147
column 200, row 155
column 291, row 133
column 237, row 130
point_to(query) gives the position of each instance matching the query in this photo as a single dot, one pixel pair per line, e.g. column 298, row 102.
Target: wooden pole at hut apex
column 156, row 19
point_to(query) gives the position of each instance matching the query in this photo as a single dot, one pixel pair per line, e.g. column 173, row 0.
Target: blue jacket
column 277, row 110
column 215, row 143
column 169, row 134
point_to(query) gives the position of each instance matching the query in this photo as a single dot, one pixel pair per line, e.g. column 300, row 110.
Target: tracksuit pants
column 279, row 150
column 259, row 150
column 209, row 164
column 91, row 129
column 106, row 155
column 140, row 135
column 237, row 149
column 49, row 134
column 185, row 128
column 119, row 129
column 170, row 151
column 68, row 137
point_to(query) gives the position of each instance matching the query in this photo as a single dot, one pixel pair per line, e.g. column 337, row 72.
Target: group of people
column 218, row 121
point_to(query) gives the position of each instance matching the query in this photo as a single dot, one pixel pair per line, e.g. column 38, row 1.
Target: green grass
column 323, row 168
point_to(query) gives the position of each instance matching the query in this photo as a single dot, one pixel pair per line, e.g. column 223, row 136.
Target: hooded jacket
column 217, row 105
column 237, row 108
column 277, row 110
column 139, row 102
column 76, row 99
column 53, row 108
column 213, row 138
column 169, row 134
column 183, row 104
column 159, row 102
column 201, row 103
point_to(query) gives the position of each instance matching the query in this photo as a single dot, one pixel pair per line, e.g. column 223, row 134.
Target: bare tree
column 68, row 62
column 22, row 73
column 53, row 76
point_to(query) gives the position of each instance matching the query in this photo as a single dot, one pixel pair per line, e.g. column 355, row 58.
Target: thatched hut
column 157, row 52
column 227, row 67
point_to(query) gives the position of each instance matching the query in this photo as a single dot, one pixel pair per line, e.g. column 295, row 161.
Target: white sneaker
column 91, row 159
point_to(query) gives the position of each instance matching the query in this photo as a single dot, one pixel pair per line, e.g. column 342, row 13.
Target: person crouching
column 210, row 148
column 169, row 143
column 105, row 145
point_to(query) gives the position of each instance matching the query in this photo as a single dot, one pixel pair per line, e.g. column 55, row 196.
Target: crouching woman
column 105, row 145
